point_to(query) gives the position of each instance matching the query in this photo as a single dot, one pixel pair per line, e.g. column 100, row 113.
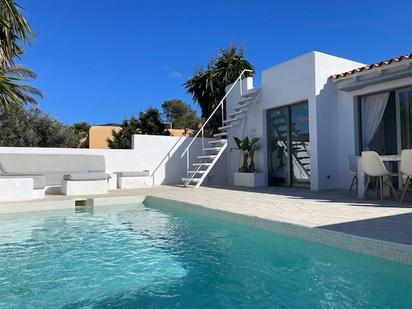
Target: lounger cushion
column 39, row 181
column 144, row 173
column 86, row 176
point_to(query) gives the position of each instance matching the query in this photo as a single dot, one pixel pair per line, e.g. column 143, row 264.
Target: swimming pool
column 128, row 256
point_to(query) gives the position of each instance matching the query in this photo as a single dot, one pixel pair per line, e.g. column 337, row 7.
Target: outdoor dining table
column 361, row 173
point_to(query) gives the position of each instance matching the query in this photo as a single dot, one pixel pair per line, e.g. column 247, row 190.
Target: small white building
column 317, row 109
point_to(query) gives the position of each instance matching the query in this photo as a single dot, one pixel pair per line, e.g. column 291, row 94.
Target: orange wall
column 98, row 136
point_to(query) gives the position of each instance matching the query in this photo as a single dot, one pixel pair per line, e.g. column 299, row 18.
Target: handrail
column 217, row 107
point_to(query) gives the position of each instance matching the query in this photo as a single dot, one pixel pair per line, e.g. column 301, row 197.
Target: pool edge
column 373, row 247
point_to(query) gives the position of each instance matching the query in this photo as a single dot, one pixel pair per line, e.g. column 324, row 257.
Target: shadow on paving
column 324, row 196
column 395, row 228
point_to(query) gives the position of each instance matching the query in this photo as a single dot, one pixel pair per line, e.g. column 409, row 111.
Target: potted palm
column 248, row 176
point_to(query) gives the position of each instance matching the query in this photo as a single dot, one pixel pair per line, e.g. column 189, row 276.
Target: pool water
column 137, row 256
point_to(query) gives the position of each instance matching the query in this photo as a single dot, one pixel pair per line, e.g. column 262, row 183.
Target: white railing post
column 241, row 87
column 187, row 160
column 223, row 116
column 203, row 143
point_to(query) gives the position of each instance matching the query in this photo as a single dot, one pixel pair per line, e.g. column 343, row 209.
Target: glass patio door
column 299, row 138
column 405, row 119
column 288, row 145
column 278, row 145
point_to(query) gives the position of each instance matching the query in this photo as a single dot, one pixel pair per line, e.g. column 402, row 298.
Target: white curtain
column 373, row 107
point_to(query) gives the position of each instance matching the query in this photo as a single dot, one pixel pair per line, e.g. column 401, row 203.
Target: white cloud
column 171, row 73
column 175, row 74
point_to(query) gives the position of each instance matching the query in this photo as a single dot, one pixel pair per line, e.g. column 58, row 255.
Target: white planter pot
column 249, row 179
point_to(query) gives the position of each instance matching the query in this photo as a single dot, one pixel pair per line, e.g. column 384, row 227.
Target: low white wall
column 116, row 159
column 162, row 156
column 159, row 154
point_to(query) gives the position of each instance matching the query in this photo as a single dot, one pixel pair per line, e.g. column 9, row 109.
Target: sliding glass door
column 288, row 145
column 278, row 142
column 299, row 139
column 405, row 118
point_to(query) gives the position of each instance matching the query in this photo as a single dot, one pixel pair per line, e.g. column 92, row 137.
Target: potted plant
column 248, row 176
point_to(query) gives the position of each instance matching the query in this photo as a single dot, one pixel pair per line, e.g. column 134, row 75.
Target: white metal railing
column 202, row 129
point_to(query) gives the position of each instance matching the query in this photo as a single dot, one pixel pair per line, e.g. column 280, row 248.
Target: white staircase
column 213, row 150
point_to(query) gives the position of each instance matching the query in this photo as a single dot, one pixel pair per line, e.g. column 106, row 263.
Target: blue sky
column 103, row 60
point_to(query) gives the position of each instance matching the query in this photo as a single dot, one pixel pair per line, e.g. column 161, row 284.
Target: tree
column 149, row 122
column 207, row 86
column 122, row 139
column 180, row 114
column 82, row 131
column 33, row 128
column 15, row 31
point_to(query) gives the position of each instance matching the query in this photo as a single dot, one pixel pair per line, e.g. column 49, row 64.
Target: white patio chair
column 406, row 169
column 373, row 166
column 353, row 169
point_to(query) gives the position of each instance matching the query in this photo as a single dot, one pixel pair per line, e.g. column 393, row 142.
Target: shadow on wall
column 172, row 166
column 327, row 120
column 172, row 162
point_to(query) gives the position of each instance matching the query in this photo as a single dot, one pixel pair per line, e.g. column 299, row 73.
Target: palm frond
column 20, row 71
column 14, row 30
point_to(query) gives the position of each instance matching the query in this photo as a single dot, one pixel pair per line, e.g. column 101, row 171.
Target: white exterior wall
column 233, row 155
column 348, row 123
column 333, row 120
column 288, row 83
column 304, row 78
column 159, row 154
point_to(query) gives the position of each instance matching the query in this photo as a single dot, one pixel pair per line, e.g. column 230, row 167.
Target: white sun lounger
column 85, row 183
column 132, row 180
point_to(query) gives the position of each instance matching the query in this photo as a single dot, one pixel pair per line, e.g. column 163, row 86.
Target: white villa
column 320, row 109
column 310, row 113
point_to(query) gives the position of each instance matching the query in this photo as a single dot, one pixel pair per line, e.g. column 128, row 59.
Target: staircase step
column 251, row 93
column 191, row 179
column 202, row 164
column 212, row 149
column 220, row 134
column 236, row 113
column 225, row 127
column 232, row 120
column 206, row 157
column 217, row 141
column 196, row 172
column 241, row 106
column 245, row 99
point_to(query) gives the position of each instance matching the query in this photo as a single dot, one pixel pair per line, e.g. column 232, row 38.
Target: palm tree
column 14, row 30
column 207, row 85
column 203, row 88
